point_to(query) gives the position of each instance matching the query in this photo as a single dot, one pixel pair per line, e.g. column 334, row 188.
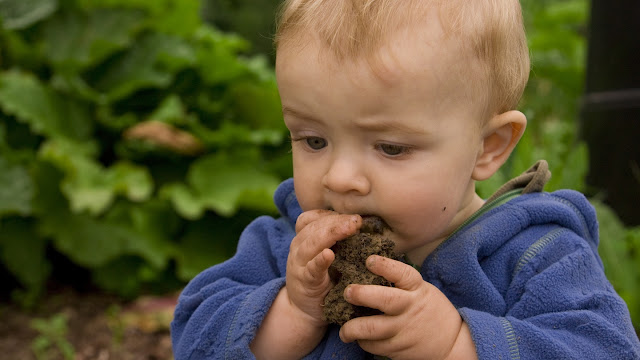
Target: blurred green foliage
column 90, row 91
column 254, row 20
column 131, row 135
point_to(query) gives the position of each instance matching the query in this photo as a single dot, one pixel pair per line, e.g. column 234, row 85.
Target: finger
column 316, row 269
column 384, row 347
column 376, row 327
column 403, row 276
column 391, row 301
column 323, row 234
column 310, row 216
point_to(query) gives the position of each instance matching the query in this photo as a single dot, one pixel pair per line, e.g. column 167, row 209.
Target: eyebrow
column 289, row 111
column 375, row 125
column 372, row 125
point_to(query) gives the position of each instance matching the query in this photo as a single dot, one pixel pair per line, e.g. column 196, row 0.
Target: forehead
column 411, row 57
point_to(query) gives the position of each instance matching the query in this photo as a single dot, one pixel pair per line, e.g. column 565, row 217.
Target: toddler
column 396, row 109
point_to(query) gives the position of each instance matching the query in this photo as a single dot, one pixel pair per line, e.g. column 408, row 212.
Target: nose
column 347, row 174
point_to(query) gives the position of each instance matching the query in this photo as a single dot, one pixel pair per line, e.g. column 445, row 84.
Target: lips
column 366, row 219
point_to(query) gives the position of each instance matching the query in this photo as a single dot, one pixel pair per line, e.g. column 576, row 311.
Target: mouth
column 374, row 224
column 371, row 221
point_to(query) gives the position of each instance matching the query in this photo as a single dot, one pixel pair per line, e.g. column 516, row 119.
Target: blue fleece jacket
column 525, row 276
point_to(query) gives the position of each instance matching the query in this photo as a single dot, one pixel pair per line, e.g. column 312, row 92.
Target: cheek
column 427, row 209
column 308, row 184
column 424, row 206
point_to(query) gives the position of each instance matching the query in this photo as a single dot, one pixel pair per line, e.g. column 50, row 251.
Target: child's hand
column 419, row 322
column 308, row 280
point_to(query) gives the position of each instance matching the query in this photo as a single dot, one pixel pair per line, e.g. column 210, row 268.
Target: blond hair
column 492, row 29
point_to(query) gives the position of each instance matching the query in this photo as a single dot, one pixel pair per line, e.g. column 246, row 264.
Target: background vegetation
column 137, row 140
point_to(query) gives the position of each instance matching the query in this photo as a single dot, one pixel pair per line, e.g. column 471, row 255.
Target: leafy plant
column 52, row 334
column 620, row 250
column 135, row 140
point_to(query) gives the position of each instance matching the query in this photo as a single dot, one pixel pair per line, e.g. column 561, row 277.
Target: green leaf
column 121, row 276
column 184, row 200
column 223, row 183
column 16, row 189
column 73, row 41
column 231, row 134
column 92, row 242
column 20, row 14
column 22, row 251
column 91, row 187
column 153, row 63
column 201, row 248
column 171, row 111
column 46, row 112
column 177, row 17
column 218, row 56
column 19, row 52
column 256, row 104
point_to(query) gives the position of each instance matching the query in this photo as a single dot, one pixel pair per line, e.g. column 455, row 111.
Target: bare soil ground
column 91, row 325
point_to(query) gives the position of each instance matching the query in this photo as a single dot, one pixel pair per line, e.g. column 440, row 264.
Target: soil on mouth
column 349, row 268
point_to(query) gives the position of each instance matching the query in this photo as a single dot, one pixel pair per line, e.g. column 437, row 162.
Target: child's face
column 403, row 148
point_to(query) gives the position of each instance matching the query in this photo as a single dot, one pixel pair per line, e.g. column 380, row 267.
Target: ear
column 500, row 136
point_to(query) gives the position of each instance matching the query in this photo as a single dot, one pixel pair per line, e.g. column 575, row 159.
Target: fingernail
column 371, row 260
column 347, row 293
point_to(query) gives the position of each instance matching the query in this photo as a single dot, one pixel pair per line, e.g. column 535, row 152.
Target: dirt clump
column 349, row 268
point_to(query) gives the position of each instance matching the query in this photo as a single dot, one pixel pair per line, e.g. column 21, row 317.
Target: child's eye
column 393, row 150
column 316, row 143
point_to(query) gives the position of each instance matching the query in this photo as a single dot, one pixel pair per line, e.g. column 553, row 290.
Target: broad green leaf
column 152, row 63
column 91, row 242
column 91, row 187
column 122, row 276
column 20, row 14
column 154, row 217
column 49, row 200
column 222, row 183
column 178, row 17
column 231, row 134
column 46, row 112
column 256, row 104
column 74, row 40
column 22, row 251
column 186, row 203
column 16, row 189
column 116, row 123
column 19, row 52
column 218, row 56
column 171, row 111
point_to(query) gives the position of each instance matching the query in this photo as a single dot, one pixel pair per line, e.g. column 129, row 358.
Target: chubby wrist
column 463, row 347
column 299, row 318
column 287, row 328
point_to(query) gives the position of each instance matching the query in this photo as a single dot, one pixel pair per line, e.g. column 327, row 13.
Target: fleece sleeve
column 560, row 306
column 220, row 310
